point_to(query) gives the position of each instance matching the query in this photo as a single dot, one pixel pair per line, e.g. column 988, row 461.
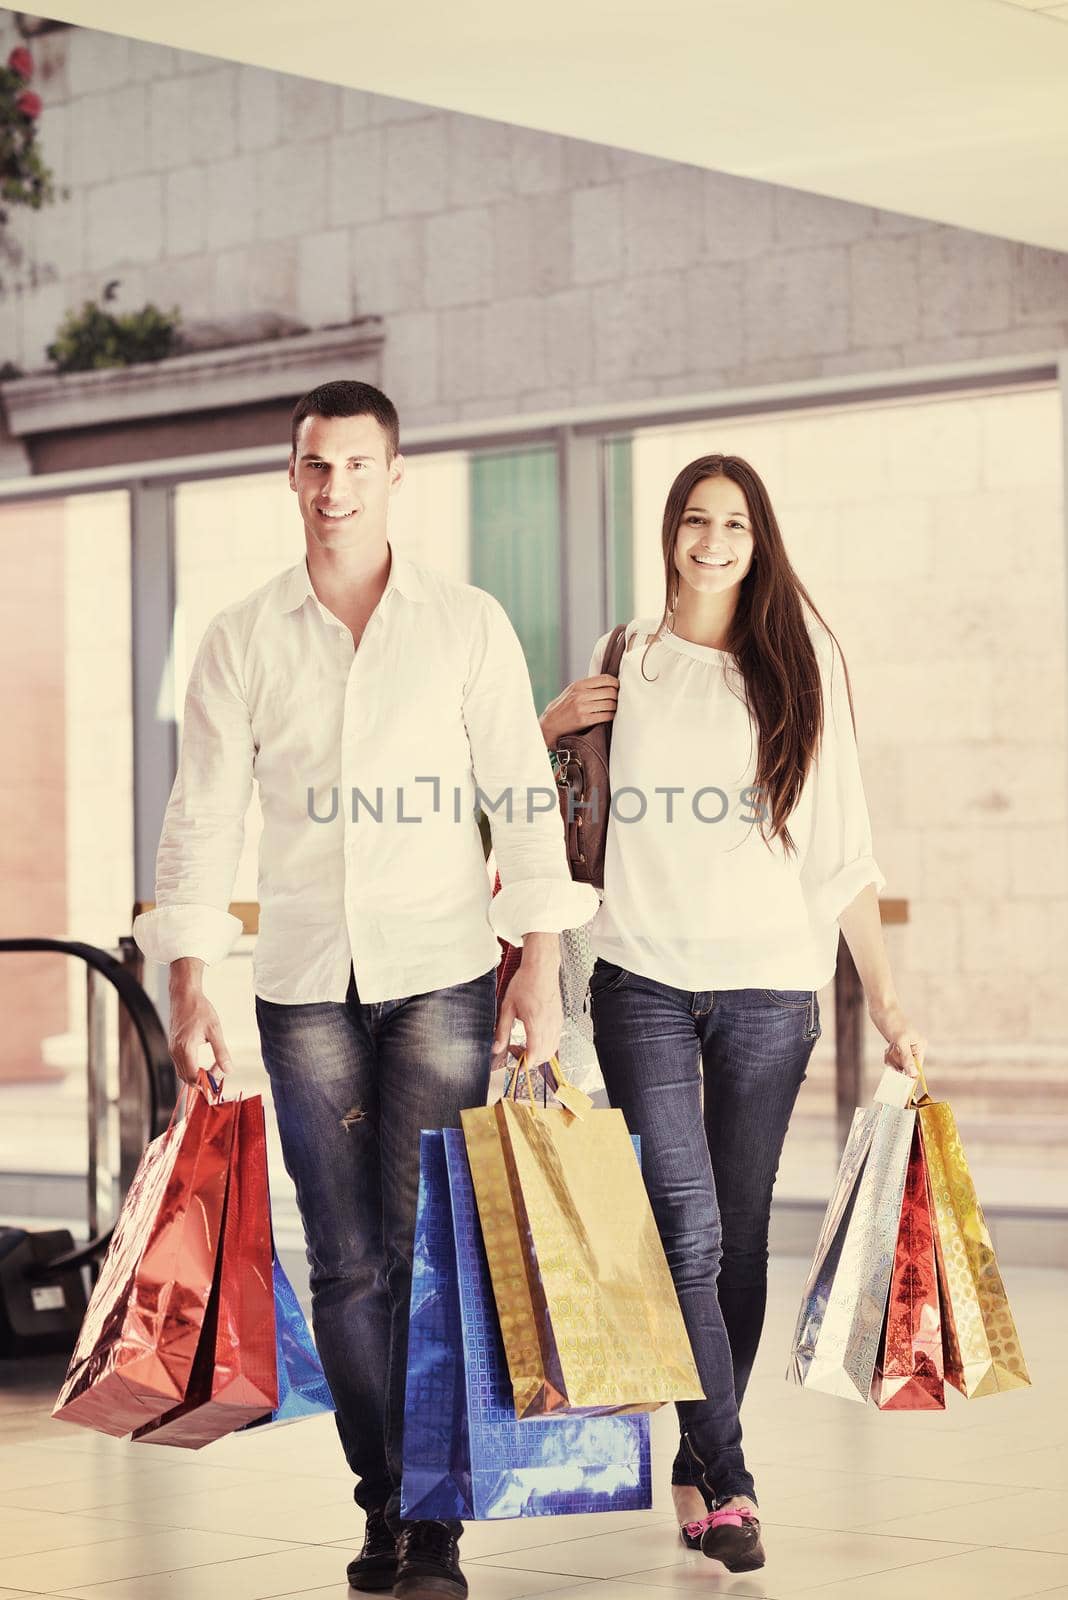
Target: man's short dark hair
column 343, row 399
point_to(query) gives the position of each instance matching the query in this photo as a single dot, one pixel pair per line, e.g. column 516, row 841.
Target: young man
column 374, row 703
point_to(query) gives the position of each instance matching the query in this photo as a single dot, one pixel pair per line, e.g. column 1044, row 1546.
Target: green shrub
column 92, row 337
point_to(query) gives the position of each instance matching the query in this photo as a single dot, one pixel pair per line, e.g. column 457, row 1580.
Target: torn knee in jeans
column 352, row 1116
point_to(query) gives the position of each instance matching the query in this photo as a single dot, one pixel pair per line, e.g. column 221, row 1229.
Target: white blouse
column 693, row 895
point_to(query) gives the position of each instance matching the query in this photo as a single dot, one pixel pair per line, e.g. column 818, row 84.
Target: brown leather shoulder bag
column 580, row 761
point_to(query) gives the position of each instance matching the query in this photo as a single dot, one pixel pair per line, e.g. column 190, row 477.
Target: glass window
column 66, row 805
column 515, row 551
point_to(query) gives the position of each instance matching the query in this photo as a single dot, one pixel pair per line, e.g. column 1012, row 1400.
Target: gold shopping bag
column 589, row 1317
column 981, row 1345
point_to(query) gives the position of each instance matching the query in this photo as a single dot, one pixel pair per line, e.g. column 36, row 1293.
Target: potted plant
column 95, row 337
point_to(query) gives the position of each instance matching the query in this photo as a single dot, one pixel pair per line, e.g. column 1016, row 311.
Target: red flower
column 29, row 103
column 21, row 61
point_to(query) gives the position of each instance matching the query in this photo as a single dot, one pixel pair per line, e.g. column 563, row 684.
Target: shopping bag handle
column 520, row 1069
column 205, row 1084
column 572, row 1099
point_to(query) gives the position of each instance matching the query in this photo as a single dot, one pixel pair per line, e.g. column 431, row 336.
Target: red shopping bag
column 135, row 1351
column 909, row 1374
column 235, row 1374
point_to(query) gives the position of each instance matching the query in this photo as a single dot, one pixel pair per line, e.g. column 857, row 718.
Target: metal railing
column 147, row 1081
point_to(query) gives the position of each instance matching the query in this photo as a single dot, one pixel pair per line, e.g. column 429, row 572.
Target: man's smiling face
column 343, row 478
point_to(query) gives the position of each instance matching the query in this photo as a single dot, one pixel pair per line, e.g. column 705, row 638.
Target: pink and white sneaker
column 732, row 1535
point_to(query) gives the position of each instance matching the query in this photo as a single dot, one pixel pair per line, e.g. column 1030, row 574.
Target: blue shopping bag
column 302, row 1389
column 465, row 1454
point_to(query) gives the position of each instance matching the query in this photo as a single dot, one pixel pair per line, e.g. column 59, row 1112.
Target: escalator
column 43, row 1273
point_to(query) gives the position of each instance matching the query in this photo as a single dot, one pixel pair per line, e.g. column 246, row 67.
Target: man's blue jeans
column 353, row 1085
column 709, row 1169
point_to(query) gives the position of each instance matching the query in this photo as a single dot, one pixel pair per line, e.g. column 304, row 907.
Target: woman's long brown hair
column 769, row 640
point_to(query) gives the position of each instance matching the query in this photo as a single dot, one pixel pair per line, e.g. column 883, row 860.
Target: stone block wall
column 519, row 271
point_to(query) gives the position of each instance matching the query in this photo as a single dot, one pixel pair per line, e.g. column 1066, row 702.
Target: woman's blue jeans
column 353, row 1085
column 708, row 1080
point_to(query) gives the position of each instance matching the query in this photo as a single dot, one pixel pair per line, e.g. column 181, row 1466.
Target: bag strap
column 573, row 1100
column 611, row 662
column 614, row 651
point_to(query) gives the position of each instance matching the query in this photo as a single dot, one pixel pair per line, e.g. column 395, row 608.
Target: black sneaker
column 374, row 1570
column 428, row 1563
column 733, row 1537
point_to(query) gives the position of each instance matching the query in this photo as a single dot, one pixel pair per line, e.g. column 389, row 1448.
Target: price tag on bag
column 896, row 1089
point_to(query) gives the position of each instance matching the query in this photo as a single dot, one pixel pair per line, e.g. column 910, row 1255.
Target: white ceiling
column 955, row 110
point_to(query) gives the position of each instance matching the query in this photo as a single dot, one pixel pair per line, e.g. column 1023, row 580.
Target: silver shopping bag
column 840, row 1323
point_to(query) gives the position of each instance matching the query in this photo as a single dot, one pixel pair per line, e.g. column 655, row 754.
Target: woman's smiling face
column 714, row 542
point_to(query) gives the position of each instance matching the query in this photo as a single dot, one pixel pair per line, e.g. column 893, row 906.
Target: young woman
column 739, row 844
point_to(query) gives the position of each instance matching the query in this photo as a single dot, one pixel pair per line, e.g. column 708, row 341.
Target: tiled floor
column 968, row 1505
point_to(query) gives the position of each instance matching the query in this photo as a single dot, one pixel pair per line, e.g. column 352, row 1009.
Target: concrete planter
column 207, row 380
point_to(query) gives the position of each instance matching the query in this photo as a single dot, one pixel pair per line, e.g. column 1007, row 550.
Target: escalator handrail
column 159, row 1068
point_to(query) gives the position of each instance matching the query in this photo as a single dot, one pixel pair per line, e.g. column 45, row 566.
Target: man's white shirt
column 369, row 762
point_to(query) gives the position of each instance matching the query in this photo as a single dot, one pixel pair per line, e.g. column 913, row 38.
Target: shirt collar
column 404, row 576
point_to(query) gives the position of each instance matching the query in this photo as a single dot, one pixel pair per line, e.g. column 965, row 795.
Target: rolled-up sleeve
column 508, row 759
column 204, row 824
column 839, row 862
